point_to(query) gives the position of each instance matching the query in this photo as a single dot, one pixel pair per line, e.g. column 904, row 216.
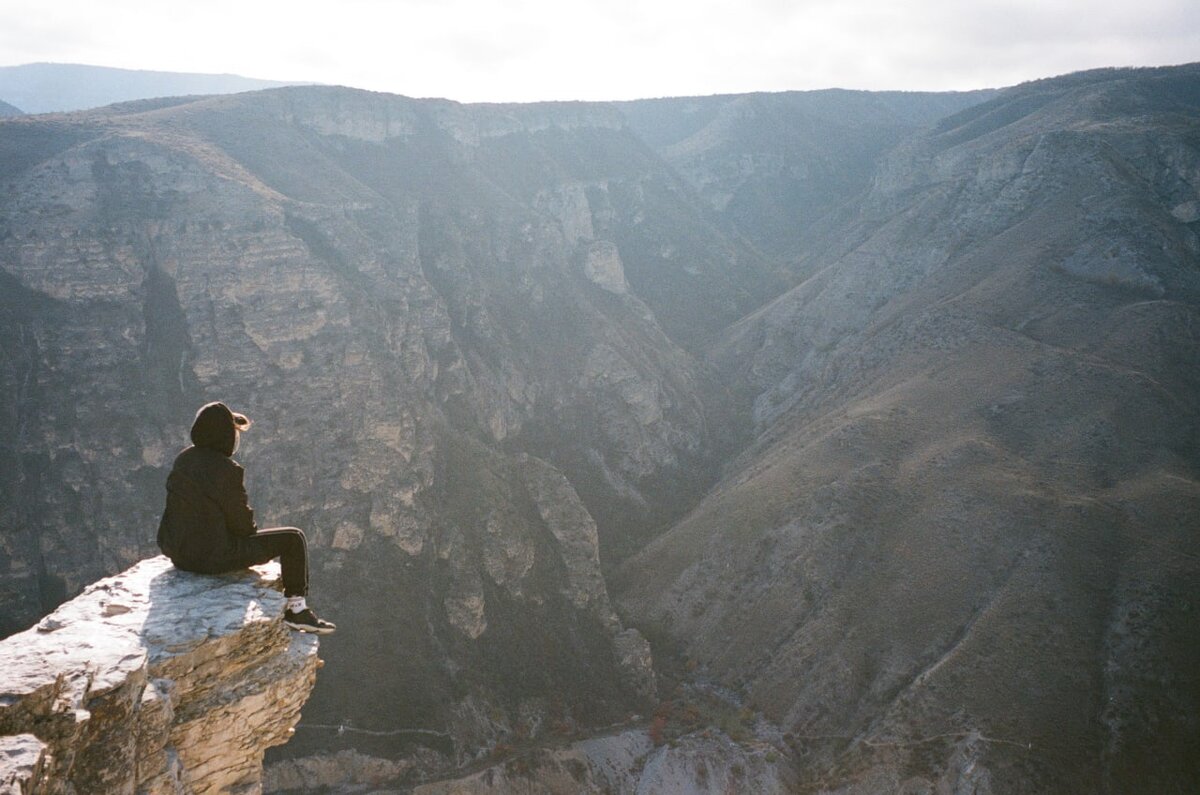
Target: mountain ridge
column 974, row 442
column 578, row 394
column 445, row 281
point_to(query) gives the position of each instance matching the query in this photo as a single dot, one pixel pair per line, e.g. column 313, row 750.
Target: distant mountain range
column 54, row 87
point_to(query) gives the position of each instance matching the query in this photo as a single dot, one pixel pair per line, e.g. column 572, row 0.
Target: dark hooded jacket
column 207, row 510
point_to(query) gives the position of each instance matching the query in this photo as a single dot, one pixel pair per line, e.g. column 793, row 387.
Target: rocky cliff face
column 432, row 313
column 774, row 165
column 957, row 549
column 154, row 681
column 494, row 353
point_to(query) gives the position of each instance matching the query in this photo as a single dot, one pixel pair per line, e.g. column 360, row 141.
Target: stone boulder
column 153, row 681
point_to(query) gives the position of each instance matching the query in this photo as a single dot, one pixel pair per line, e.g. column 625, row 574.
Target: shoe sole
column 309, row 629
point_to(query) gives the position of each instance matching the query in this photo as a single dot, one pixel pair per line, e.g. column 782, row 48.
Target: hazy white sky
column 522, row 50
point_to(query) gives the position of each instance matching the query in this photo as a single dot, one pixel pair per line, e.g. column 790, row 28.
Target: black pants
column 286, row 543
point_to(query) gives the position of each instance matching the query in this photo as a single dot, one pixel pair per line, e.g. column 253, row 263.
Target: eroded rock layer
column 494, row 353
column 432, row 313
column 154, row 681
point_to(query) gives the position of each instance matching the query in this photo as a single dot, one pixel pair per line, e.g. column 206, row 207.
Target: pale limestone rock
column 159, row 681
column 318, row 306
column 361, row 121
column 508, row 552
column 634, row 658
column 638, row 413
column 465, row 611
column 568, row 204
column 347, row 536
column 473, row 124
column 602, row 265
column 22, row 759
column 1187, row 212
column 392, row 516
column 629, row 763
column 606, row 368
column 710, row 762
column 575, row 530
column 340, row 770
column 504, row 396
column 579, row 548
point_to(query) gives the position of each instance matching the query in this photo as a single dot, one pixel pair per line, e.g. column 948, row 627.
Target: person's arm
column 239, row 517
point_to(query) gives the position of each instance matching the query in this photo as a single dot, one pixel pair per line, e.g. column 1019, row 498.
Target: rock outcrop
column 460, row 286
column 153, row 681
column 491, row 353
column 773, row 165
column 629, row 762
column 22, row 763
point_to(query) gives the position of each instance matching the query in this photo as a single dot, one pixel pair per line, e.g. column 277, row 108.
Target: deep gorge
column 875, row 410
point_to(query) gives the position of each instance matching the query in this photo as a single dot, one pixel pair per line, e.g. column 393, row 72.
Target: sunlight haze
column 530, row 50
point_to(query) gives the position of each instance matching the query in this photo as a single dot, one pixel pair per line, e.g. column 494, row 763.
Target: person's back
column 205, row 511
column 208, row 527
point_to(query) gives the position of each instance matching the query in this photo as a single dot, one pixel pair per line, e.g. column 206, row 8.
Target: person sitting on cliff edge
column 208, row 526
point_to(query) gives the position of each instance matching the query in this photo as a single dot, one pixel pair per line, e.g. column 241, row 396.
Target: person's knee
column 293, row 531
column 284, row 532
column 295, row 538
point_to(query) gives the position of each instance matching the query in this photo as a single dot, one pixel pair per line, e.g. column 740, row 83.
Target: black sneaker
column 306, row 621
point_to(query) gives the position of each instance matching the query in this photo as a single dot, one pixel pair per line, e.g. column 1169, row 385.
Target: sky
column 529, row 50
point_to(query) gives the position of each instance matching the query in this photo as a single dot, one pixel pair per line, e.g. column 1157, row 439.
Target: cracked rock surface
column 155, row 681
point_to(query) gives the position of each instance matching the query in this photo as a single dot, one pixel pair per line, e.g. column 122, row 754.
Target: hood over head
column 216, row 427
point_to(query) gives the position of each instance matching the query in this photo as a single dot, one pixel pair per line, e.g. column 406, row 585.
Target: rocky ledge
column 153, row 681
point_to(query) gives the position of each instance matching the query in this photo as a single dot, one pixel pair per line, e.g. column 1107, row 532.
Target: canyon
column 854, row 430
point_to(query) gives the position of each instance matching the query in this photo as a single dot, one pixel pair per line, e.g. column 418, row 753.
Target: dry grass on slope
column 962, row 540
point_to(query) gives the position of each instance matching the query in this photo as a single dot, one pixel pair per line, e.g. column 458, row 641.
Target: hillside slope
column 962, row 547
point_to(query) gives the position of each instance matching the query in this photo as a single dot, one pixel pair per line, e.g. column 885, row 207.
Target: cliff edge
column 154, row 681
